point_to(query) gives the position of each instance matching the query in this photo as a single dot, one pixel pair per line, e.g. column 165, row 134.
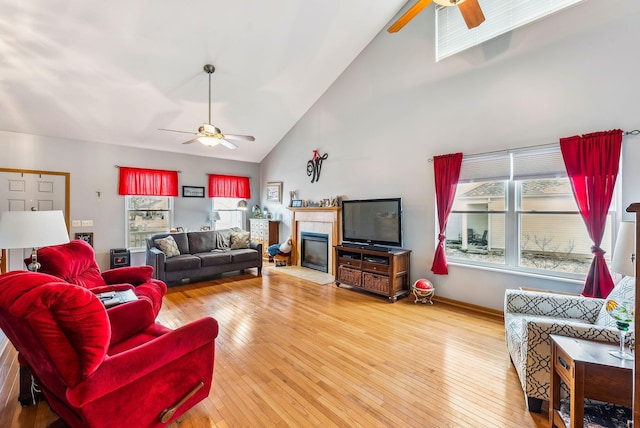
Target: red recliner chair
column 104, row 371
column 75, row 262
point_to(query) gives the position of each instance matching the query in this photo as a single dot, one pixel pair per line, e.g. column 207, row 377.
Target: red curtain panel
column 447, row 172
column 592, row 162
column 147, row 182
column 229, row 186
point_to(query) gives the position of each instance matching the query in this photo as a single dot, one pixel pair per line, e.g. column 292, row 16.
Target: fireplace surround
column 326, row 220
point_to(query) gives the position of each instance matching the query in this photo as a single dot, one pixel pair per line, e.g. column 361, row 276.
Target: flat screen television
column 372, row 222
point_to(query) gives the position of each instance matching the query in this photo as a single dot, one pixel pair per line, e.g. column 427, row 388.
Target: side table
column 589, row 371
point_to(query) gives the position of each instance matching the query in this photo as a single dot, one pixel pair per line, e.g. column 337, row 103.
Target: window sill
column 561, row 279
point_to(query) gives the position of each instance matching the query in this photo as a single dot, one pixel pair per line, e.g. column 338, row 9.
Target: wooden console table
column 589, row 371
column 381, row 272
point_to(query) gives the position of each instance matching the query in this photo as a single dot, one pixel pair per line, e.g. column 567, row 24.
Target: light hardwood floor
column 294, row 353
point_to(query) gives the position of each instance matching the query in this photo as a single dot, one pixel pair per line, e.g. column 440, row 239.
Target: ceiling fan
column 209, row 134
column 470, row 10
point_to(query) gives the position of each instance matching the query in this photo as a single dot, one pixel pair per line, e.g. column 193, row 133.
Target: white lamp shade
column 32, row 229
column 624, row 252
column 215, row 216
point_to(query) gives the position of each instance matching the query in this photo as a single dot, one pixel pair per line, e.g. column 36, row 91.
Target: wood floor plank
column 294, row 353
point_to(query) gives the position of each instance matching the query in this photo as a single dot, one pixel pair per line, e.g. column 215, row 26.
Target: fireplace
column 314, row 251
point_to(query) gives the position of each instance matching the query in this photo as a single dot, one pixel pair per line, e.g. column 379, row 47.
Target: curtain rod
column 537, row 146
column 118, row 166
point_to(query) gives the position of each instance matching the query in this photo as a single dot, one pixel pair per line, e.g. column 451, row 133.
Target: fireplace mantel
column 332, row 215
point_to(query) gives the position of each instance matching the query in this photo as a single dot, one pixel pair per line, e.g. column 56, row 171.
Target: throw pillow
column 624, row 290
column 168, row 246
column 240, row 240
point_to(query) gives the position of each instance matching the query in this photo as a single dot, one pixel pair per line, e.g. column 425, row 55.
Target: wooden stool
column 283, row 259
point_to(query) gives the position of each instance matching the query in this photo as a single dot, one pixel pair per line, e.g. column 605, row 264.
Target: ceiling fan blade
column 472, row 13
column 239, row 137
column 408, row 16
column 190, row 141
column 173, row 130
column 228, row 144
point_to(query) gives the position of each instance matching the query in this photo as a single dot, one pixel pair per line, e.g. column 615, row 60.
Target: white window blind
column 501, row 16
column 485, row 168
column 538, row 163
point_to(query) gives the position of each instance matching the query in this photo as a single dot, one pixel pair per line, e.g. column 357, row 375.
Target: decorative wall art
column 274, row 192
column 315, row 165
column 192, row 192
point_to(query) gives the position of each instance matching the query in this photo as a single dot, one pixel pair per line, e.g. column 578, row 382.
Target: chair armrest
column 127, row 367
column 156, row 259
column 256, row 246
column 134, row 275
column 552, row 305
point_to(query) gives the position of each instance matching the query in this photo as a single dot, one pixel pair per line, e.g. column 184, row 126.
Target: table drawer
column 375, row 267
column 564, row 365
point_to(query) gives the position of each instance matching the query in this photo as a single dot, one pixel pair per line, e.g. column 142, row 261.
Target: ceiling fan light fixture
column 448, row 2
column 209, row 141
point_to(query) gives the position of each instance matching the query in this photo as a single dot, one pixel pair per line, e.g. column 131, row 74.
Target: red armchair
column 92, row 371
column 75, row 263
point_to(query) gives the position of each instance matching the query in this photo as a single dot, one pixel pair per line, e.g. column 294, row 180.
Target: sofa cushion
column 244, row 255
column 215, row 258
column 182, row 262
column 168, row 246
column 624, row 290
column 240, row 240
column 201, row 242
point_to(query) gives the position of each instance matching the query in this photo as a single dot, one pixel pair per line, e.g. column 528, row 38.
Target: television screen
column 373, row 221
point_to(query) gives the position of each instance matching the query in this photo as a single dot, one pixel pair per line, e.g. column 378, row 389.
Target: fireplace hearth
column 314, row 251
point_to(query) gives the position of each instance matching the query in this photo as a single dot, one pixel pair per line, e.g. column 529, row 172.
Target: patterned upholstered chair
column 530, row 317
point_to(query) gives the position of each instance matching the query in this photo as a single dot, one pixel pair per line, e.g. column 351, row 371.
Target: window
column 146, row 215
column 502, row 16
column 516, row 211
column 230, row 214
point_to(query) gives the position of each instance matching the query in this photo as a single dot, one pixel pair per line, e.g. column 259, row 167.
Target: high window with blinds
column 502, row 16
column 516, row 211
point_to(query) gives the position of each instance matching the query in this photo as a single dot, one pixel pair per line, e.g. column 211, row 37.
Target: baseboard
column 493, row 313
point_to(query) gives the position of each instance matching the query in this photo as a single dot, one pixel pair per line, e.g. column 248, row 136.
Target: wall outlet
column 87, row 223
column 75, row 223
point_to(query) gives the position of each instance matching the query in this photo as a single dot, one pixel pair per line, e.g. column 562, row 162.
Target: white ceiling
column 116, row 71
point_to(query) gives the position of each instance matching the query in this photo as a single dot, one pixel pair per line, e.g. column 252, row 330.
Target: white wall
column 92, row 169
column 394, row 108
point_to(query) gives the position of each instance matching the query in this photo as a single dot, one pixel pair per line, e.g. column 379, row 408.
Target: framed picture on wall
column 274, row 192
column 296, row 202
column 192, row 192
column 85, row 236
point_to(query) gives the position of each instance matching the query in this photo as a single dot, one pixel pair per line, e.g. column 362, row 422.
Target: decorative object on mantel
column 274, row 192
column 293, row 194
column 296, row 203
column 315, row 165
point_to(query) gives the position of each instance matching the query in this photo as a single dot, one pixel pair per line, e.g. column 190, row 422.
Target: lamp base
column 34, row 265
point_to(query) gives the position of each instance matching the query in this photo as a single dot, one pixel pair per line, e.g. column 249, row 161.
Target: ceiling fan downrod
column 209, row 69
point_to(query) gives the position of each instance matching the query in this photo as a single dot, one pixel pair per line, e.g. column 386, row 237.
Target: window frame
column 513, row 220
column 128, row 210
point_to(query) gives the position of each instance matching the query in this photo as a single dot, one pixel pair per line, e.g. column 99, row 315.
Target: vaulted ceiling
column 114, row 72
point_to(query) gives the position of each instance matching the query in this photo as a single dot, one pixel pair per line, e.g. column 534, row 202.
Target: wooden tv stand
column 377, row 271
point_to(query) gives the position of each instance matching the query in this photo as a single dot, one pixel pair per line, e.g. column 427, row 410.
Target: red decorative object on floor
column 423, row 290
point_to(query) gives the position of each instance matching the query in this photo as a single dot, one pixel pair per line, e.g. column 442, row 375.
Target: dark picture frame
column 296, row 203
column 85, row 236
column 192, row 192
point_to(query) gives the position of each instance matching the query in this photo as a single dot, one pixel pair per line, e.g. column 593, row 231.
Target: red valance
column 229, row 186
column 148, row 182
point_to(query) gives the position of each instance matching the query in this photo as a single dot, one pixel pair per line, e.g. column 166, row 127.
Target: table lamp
column 32, row 229
column 215, row 216
column 623, row 262
column 624, row 256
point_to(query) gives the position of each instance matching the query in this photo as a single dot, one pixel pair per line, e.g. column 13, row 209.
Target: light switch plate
column 87, row 223
column 76, row 223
